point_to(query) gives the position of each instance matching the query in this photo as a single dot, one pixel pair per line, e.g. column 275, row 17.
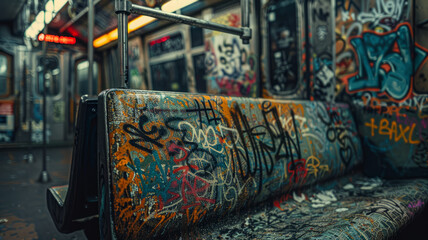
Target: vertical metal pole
column 29, row 156
column 30, row 120
column 245, row 17
column 90, row 45
column 122, row 12
column 44, row 175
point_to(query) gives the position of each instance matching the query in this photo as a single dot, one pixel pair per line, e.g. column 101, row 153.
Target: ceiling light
column 139, row 22
column 52, row 8
column 174, row 5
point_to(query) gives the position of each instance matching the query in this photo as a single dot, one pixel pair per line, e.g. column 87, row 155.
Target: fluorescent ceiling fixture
column 52, row 8
column 141, row 21
column 40, row 18
column 174, row 5
column 58, row 4
column 48, row 17
column 49, row 6
column 101, row 41
column 133, row 25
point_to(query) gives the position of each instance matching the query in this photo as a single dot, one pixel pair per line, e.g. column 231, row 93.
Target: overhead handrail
column 77, row 17
column 124, row 7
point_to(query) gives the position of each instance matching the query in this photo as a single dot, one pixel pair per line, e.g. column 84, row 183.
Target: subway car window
column 82, row 78
column 52, row 74
column 169, row 76
column 197, row 35
column 4, row 80
column 168, row 63
column 200, row 79
column 283, row 44
column 166, row 44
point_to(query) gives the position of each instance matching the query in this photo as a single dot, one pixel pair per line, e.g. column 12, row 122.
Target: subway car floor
column 23, row 209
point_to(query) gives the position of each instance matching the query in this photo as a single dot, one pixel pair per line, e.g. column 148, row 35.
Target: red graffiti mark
column 160, row 203
column 189, row 190
column 175, row 195
column 175, row 149
column 234, row 20
column 277, row 203
column 297, row 170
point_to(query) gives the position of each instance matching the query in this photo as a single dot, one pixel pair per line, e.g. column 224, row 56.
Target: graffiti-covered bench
column 185, row 165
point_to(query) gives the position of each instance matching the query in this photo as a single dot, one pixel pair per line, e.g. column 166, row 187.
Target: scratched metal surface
column 178, row 159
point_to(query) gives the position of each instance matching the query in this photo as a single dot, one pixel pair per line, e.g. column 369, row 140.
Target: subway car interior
column 213, row 119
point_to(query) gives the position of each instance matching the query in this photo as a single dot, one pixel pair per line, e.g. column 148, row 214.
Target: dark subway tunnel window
column 169, row 75
column 4, row 83
column 282, row 24
column 5, row 74
column 197, row 35
column 52, row 74
column 199, row 66
column 82, row 78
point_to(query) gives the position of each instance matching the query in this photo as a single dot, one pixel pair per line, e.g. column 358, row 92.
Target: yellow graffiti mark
column 391, row 129
column 314, row 166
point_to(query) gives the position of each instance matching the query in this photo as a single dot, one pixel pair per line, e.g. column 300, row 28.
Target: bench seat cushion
column 353, row 207
column 172, row 160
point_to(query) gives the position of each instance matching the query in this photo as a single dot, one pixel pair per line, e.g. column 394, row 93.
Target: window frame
column 77, row 61
column 9, row 74
column 37, row 82
column 267, row 38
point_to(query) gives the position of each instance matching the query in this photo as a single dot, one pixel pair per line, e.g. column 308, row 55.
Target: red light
column 160, row 40
column 41, row 37
column 56, row 39
column 73, row 31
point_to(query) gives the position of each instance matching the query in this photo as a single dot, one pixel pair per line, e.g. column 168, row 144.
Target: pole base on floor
column 44, row 177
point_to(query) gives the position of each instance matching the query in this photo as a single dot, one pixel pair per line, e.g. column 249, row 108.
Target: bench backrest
column 72, row 206
column 169, row 160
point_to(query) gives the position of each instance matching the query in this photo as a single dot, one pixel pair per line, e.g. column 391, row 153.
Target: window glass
column 52, row 74
column 169, row 76
column 3, row 75
column 197, row 35
column 166, row 44
column 82, row 78
column 283, row 46
column 199, row 66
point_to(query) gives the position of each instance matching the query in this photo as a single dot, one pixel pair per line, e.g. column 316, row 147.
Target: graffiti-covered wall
column 371, row 53
column 230, row 65
column 136, row 63
column 380, row 67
